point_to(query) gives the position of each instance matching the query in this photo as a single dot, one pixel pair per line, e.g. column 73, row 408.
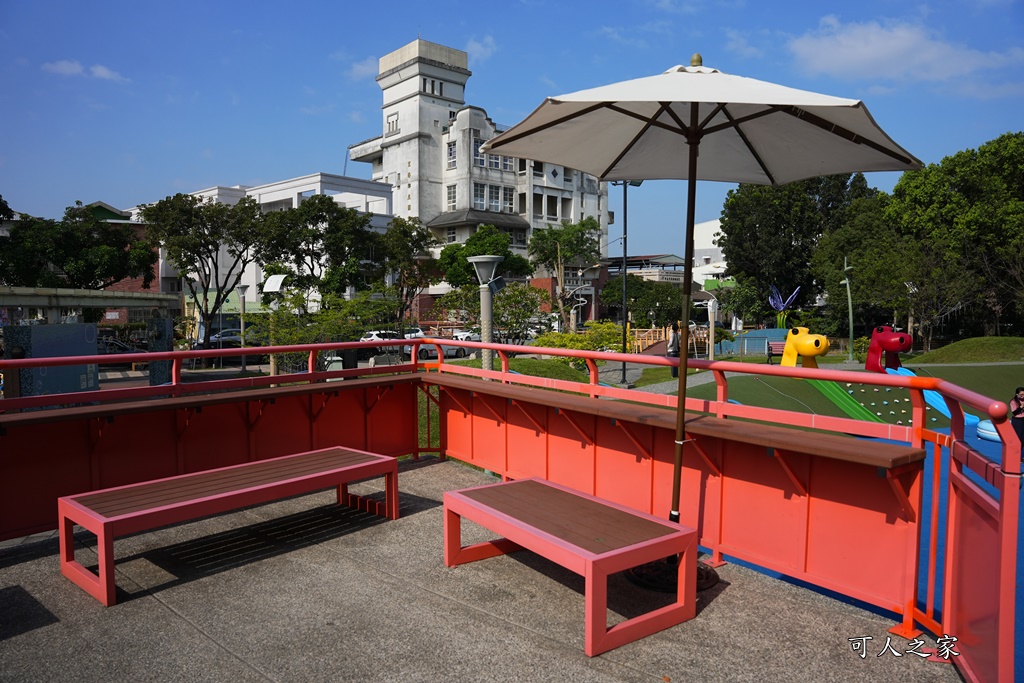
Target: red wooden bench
column 147, row 505
column 592, row 537
column 775, row 348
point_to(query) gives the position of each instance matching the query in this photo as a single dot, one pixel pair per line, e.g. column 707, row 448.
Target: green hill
column 976, row 350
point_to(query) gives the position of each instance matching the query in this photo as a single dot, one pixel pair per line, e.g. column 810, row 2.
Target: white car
column 427, row 351
column 376, row 335
column 465, row 335
column 413, row 333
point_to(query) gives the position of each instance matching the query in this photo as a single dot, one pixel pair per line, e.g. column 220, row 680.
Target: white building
column 429, row 153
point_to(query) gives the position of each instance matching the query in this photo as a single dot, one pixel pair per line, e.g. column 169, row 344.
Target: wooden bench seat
column 592, row 537
column 138, row 507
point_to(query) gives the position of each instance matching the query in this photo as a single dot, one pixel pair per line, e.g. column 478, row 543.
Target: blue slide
column 933, row 398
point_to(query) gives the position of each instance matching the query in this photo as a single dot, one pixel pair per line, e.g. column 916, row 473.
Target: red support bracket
column 185, row 417
column 324, row 400
column 576, row 426
column 482, row 398
column 452, row 395
column 529, row 417
column 259, row 413
column 370, row 405
column 632, row 437
column 789, row 471
column 893, row 476
column 715, row 469
column 425, row 388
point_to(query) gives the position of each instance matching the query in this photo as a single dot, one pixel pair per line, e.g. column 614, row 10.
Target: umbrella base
column 661, row 575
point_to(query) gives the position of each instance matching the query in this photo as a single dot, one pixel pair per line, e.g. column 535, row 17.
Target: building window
column 495, row 161
column 479, row 196
column 506, row 164
column 538, row 169
column 440, row 88
column 478, row 156
column 392, row 123
column 451, row 235
column 451, row 155
column 508, row 199
column 494, row 198
column 451, row 198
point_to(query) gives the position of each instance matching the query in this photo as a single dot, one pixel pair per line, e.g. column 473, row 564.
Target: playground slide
column 847, row 403
column 933, row 398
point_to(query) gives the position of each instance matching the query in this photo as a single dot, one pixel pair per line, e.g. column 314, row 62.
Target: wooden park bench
column 587, row 535
column 775, row 348
column 139, row 507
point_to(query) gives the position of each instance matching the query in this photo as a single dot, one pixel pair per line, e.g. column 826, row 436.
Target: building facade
column 429, row 153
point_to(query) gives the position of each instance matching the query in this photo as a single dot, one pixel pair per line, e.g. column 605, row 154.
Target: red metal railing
column 984, row 495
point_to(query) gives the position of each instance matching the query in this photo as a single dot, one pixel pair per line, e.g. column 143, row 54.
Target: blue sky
column 128, row 102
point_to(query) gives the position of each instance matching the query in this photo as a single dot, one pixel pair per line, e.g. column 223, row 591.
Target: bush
column 603, row 336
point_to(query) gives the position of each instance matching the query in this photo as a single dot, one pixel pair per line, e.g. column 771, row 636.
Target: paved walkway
column 303, row 591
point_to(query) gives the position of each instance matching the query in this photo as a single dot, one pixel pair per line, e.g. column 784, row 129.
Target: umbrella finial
column 696, row 60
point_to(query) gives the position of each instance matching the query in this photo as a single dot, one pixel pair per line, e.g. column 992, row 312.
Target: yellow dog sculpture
column 799, row 342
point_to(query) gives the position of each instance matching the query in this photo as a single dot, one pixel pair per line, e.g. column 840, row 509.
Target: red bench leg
column 456, row 554
column 101, row 587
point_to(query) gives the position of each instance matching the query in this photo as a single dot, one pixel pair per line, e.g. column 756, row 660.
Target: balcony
column 304, row 590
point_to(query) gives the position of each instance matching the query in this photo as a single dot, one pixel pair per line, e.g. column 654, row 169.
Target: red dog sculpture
column 883, row 338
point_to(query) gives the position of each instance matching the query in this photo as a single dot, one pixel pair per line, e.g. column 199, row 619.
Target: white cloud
column 894, row 51
column 364, row 69
column 738, row 44
column 105, row 74
column 478, row 51
column 356, row 116
column 69, row 67
column 64, row 67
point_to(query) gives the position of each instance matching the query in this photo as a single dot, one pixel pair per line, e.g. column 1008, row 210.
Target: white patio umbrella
column 743, row 131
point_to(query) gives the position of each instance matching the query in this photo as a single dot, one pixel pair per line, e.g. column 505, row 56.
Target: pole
column 486, row 315
column 849, row 304
column 242, row 324
column 625, row 232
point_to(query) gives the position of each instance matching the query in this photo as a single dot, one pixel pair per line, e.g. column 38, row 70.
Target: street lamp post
column 485, row 267
column 849, row 303
column 625, row 232
column 242, row 289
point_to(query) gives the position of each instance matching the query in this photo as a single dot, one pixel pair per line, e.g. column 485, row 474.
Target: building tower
column 429, row 153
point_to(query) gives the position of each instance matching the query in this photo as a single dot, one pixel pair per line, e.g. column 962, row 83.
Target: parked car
column 428, row 351
column 225, row 339
column 465, row 335
column 113, row 348
column 413, row 333
column 376, row 335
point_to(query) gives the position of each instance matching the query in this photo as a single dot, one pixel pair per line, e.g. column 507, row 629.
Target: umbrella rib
column 648, row 122
column 544, row 126
column 746, row 142
column 839, row 131
column 743, row 119
column 651, row 120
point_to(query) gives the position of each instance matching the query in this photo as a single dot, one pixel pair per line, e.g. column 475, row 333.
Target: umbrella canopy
column 697, row 123
column 749, row 131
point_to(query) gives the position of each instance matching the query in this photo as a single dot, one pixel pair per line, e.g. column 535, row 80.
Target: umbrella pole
column 662, row 576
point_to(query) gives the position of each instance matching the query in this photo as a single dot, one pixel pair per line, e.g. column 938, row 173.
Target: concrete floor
column 300, row 590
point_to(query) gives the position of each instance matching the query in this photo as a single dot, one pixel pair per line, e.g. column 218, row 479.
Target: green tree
column 970, row 208
column 878, row 253
column 6, row 214
column 404, row 260
column 769, row 234
column 210, row 244
column 79, row 251
column 459, row 272
column 570, row 245
column 656, row 304
column 320, row 245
